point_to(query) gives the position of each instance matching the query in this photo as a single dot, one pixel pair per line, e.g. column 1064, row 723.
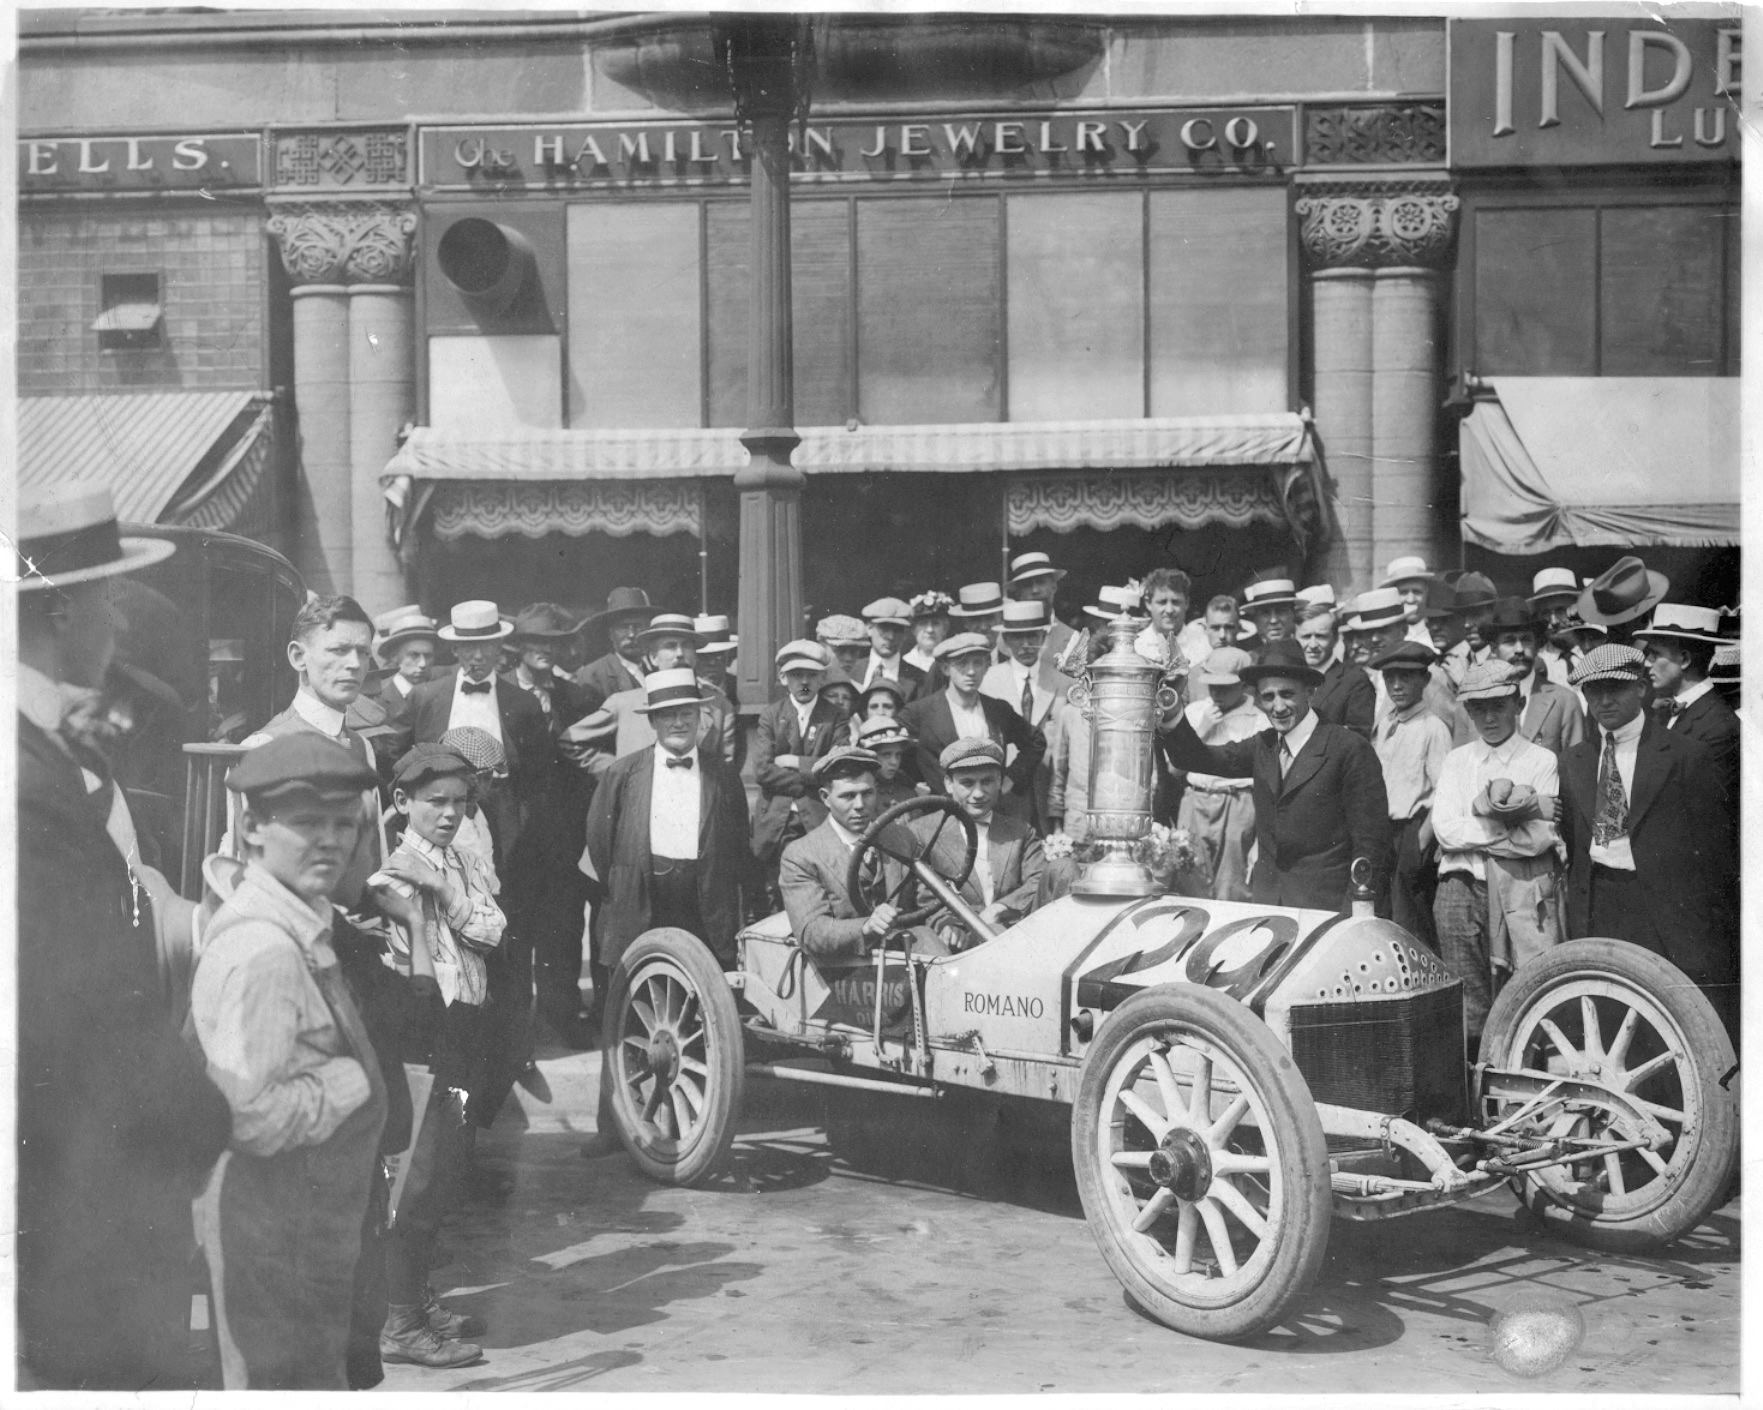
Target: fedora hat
column 1511, row 614
column 622, row 602
column 1627, row 589
column 401, row 625
column 544, row 621
column 978, row 600
column 715, row 637
column 1282, row 658
column 1552, row 583
column 1020, row 618
column 1027, row 566
column 476, row 620
column 668, row 624
column 68, row 534
column 1408, row 569
column 662, row 690
column 1271, row 587
column 1113, row 603
column 1675, row 619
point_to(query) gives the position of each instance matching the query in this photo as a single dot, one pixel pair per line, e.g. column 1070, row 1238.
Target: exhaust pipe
column 488, row 264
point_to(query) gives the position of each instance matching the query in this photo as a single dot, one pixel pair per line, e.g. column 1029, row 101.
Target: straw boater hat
column 1317, row 595
column 1271, row 587
column 961, row 644
column 1026, row 567
column 1551, row 584
column 1285, row 659
column 662, row 690
column 1409, row 569
column 544, row 621
column 1113, row 603
column 476, row 620
column 889, row 611
column 67, row 534
column 978, row 600
column 1674, row 619
column 1021, row 618
column 715, row 638
column 400, row 625
column 1627, row 589
column 1376, row 607
column 667, row 624
column 803, row 655
column 1610, row 662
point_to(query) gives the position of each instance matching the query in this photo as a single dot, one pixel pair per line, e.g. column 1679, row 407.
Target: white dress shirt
column 317, row 714
column 882, row 668
column 402, row 686
column 1295, row 741
column 476, row 709
column 803, row 712
column 1620, row 853
column 1685, row 699
column 970, row 721
column 1467, row 839
column 674, row 801
column 921, row 659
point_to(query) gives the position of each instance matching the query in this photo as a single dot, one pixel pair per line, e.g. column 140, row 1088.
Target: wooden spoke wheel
column 1201, row 1163
column 1614, row 1015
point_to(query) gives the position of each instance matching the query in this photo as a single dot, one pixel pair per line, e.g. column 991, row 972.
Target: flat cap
column 482, row 750
column 425, row 761
column 841, row 629
column 803, row 655
column 1406, row 656
column 304, row 759
column 845, row 755
column 1225, row 666
column 888, row 609
column 1490, row 680
column 1609, row 662
column 967, row 753
column 961, row 644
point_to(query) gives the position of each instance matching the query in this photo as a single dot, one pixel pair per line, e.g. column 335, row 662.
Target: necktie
column 475, row 687
column 1028, row 698
column 1285, row 756
column 1610, row 821
column 674, row 762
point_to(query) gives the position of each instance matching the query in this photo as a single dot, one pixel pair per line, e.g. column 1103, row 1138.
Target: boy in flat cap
column 1651, row 848
column 281, row 1219
column 1411, row 743
column 1009, row 865
column 1498, row 902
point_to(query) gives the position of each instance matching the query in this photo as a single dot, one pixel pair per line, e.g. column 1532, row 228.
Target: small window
column 131, row 316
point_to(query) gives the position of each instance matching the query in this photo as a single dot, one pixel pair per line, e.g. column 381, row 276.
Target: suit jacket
column 933, row 729
column 1685, row 851
column 602, row 678
column 618, row 851
column 1552, row 718
column 1000, row 684
column 620, row 727
column 569, row 702
column 1058, row 638
column 559, row 811
column 118, row 1123
column 811, row 876
column 784, row 790
column 1331, row 808
column 1347, row 698
column 1011, row 850
column 1711, row 722
column 912, row 680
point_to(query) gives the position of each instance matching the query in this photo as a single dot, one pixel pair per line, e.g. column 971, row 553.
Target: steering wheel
column 889, row 835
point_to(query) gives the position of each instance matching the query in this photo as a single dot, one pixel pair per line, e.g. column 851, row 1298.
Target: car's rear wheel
column 1617, row 1016
column 672, row 1042
column 1201, row 1163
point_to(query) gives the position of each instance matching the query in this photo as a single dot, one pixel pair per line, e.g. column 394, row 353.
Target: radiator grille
column 1400, row 1056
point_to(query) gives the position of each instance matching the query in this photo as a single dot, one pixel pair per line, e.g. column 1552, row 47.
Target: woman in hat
column 930, row 624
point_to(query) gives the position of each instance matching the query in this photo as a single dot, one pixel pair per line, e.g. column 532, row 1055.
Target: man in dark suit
column 962, row 712
column 1678, row 643
column 1651, row 847
column 889, row 621
column 1320, row 801
column 1008, row 867
column 117, row 1121
column 1346, row 696
column 792, row 733
column 621, row 668
column 404, row 640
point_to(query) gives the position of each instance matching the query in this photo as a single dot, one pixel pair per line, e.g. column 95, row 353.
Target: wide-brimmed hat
column 930, row 603
column 1490, row 680
column 803, row 655
column 881, row 732
column 544, row 621
column 400, row 625
column 960, row 644
column 668, row 624
column 1610, row 662
column 967, row 753
column 1376, row 607
column 715, row 636
column 1552, row 583
column 68, row 534
column 1627, row 589
column 1282, row 658
column 1410, row 568
column 678, row 685
column 1676, row 619
column 978, row 600
column 1474, row 589
column 1225, row 666
column 1271, row 587
column 841, row 629
column 888, row 611
column 1113, row 603
column 1027, row 566
column 1442, row 600
column 476, row 620
column 1511, row 614
column 1021, row 618
column 622, row 602
column 1405, row 656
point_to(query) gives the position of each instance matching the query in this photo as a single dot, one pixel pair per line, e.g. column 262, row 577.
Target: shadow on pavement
column 567, row 1375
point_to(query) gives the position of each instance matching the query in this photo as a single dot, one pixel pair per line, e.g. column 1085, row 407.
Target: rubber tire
column 1713, row 1161
column 1297, row 1135
column 687, row 957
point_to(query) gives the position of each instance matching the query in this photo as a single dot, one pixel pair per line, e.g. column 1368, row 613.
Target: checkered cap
column 479, row 748
column 1610, row 662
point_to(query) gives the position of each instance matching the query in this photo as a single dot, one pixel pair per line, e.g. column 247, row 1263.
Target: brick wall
column 211, row 272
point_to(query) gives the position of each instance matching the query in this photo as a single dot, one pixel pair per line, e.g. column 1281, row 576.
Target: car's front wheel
column 672, row 1043
column 1201, row 1163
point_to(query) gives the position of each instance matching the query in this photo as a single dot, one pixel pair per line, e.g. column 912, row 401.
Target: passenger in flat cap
column 962, row 712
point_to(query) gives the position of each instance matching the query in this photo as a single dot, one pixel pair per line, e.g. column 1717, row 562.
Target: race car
column 1236, row 1074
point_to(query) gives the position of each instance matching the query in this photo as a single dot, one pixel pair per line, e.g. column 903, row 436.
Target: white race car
column 1235, row 1074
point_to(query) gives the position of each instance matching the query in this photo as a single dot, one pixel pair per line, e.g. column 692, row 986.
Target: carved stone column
column 1375, row 252
column 354, row 380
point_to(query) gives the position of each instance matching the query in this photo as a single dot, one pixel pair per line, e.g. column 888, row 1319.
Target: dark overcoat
column 1346, row 697
column 779, row 733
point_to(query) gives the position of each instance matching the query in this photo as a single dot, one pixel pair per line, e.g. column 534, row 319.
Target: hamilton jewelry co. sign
column 1246, row 140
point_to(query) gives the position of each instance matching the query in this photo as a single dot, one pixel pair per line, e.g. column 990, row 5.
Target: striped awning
column 197, row 458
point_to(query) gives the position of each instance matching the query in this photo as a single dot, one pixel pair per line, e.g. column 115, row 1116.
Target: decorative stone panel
column 1377, row 226
column 345, row 242
column 1374, row 134
column 341, row 160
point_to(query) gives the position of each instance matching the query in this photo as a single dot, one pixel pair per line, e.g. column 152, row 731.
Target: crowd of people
column 421, row 856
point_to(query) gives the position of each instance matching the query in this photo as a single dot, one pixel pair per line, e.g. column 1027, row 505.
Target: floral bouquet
column 1178, row 863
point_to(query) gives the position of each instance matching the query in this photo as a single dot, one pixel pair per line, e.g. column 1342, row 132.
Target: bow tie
column 1669, row 708
column 475, row 687
column 675, row 762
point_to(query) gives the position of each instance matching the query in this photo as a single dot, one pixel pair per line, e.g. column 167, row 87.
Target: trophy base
column 1115, row 874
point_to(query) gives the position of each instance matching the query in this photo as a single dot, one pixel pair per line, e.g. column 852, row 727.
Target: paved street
column 794, row 1273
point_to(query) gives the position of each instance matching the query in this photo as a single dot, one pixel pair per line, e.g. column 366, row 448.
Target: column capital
column 1372, row 225
column 344, row 242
